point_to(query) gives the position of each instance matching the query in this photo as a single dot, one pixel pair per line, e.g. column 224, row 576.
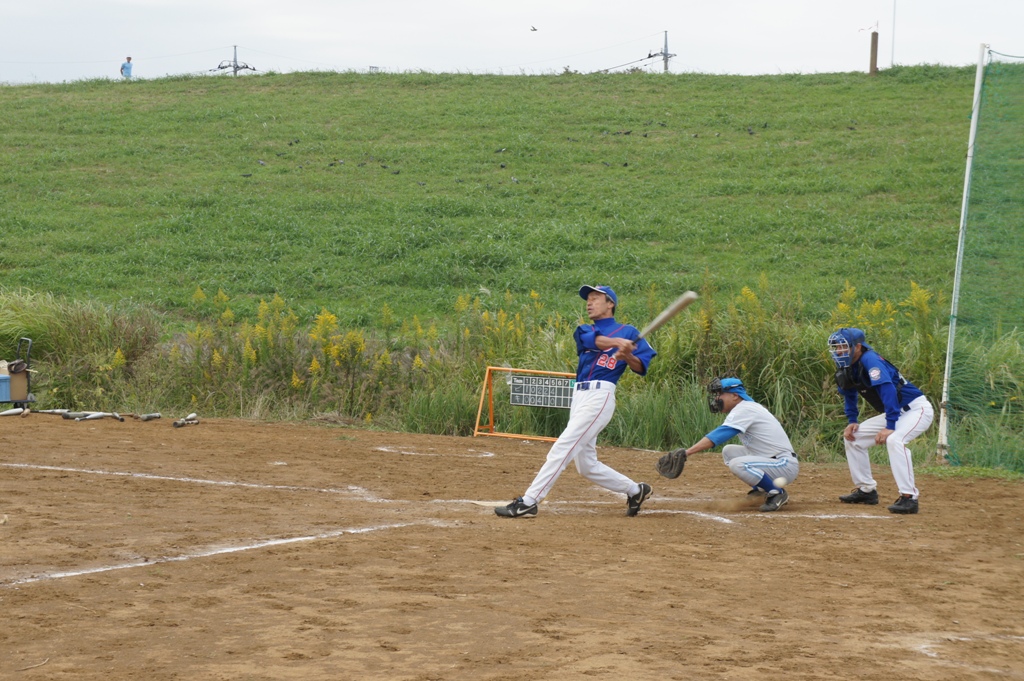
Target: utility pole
column 234, row 64
column 873, row 68
column 664, row 54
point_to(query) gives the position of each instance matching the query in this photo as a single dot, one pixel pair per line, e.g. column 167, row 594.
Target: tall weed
column 412, row 376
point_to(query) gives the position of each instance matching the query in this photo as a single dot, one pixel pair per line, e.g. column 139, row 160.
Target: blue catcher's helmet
column 841, row 345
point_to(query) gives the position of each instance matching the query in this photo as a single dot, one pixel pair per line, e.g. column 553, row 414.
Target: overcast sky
column 65, row 40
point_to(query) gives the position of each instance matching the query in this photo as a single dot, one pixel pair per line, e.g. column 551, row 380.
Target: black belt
column 792, row 454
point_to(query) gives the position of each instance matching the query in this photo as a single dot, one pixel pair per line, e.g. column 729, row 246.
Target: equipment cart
column 16, row 377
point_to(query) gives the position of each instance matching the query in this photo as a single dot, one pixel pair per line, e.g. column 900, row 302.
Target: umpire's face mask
column 715, row 403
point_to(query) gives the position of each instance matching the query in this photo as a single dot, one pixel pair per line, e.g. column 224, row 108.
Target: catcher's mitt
column 671, row 464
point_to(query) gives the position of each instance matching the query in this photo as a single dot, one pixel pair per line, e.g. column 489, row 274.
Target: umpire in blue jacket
column 904, row 413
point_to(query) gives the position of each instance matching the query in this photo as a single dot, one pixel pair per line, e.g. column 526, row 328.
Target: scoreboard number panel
column 541, row 391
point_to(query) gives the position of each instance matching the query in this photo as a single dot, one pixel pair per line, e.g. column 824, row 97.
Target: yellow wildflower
column 249, row 352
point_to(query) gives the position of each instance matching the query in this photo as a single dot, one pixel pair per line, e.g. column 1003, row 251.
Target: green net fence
column 986, row 384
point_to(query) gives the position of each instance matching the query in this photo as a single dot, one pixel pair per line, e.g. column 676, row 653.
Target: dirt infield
column 239, row 550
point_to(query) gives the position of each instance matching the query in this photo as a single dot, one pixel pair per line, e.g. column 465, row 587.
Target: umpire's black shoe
column 858, row 496
column 904, row 505
column 517, row 509
column 633, row 503
column 775, row 501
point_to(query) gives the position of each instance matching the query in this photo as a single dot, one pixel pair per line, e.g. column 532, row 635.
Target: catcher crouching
column 764, row 458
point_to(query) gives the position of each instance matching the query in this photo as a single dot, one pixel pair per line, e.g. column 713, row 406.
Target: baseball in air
column 780, row 482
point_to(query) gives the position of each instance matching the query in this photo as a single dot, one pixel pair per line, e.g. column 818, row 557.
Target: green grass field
column 362, row 246
column 391, row 189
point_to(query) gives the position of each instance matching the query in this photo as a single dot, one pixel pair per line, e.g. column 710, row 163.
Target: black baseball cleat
column 905, row 505
column 633, row 503
column 755, row 492
column 858, row 496
column 517, row 509
column 775, row 501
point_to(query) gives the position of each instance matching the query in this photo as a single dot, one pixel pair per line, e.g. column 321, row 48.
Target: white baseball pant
column 590, row 412
column 910, row 424
column 750, row 467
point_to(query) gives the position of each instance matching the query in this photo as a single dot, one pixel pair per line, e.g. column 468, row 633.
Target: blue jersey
column 882, row 386
column 601, row 365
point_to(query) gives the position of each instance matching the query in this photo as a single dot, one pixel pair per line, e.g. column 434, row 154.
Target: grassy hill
column 380, row 239
column 353, row 190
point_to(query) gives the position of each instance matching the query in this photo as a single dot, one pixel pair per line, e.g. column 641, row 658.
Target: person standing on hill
column 605, row 348
column 904, row 413
column 126, row 68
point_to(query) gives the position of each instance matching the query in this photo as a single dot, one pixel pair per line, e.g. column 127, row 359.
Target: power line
column 281, row 56
column 664, row 54
column 578, row 54
column 610, row 68
column 107, row 61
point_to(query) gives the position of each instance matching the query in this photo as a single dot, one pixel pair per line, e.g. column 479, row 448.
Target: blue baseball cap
column 735, row 386
column 607, row 290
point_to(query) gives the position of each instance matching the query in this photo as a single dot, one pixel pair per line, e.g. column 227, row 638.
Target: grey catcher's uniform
column 765, row 449
column 765, row 453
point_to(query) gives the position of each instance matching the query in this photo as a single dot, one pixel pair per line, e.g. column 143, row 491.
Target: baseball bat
column 95, row 415
column 189, row 420
column 11, row 412
column 677, row 306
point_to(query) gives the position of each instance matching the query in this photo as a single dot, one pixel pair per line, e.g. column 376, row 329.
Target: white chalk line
column 205, row 553
column 408, row 452
column 699, row 514
column 928, row 650
column 359, row 492
column 474, row 502
column 823, row 516
column 364, row 495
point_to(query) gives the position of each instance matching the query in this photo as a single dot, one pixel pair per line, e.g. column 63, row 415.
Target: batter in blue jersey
column 606, row 348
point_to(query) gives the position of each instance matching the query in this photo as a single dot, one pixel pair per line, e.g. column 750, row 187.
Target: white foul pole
column 943, row 444
column 892, row 56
